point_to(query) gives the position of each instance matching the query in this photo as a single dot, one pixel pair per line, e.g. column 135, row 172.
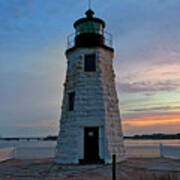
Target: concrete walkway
column 132, row 169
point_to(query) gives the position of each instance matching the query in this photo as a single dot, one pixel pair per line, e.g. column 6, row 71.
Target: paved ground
column 132, row 169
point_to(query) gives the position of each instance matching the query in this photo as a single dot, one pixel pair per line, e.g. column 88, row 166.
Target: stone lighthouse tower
column 90, row 124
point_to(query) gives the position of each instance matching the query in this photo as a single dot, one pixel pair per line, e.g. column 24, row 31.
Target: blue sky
column 33, row 65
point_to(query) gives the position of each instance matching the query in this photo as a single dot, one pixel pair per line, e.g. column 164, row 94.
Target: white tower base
column 95, row 113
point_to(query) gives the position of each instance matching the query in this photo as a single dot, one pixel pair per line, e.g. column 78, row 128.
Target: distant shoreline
column 135, row 137
column 154, row 137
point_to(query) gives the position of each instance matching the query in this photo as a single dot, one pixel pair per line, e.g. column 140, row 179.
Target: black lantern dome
column 89, row 32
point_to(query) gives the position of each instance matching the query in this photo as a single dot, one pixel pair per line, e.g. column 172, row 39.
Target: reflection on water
column 40, row 143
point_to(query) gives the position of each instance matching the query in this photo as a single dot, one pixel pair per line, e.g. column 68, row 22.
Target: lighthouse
column 90, row 123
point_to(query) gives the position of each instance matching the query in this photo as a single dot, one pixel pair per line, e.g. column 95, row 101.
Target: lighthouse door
column 91, row 145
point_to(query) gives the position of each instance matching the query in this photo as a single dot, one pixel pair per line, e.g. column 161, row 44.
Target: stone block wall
column 96, row 105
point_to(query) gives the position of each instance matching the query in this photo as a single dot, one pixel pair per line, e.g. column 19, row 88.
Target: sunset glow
column 149, row 120
column 33, row 65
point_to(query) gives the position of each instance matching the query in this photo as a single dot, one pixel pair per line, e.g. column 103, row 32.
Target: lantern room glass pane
column 89, row 27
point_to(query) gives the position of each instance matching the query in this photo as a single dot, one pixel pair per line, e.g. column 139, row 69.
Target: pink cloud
column 43, row 124
column 148, row 87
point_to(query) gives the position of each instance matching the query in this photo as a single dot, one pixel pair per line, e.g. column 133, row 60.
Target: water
column 152, row 142
column 25, row 143
column 24, row 149
column 41, row 149
column 151, row 148
column 36, row 143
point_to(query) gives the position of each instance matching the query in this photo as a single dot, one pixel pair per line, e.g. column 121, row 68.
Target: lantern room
column 89, row 32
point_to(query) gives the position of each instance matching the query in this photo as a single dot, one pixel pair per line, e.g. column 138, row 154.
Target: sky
column 33, row 39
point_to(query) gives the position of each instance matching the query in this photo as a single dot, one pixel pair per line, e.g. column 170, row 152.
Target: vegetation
column 154, row 136
column 136, row 137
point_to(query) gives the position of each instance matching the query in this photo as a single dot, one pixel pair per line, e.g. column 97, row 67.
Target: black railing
column 108, row 40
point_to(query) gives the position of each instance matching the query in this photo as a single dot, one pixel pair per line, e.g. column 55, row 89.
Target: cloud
column 147, row 41
column 150, row 79
column 160, row 108
column 148, row 88
column 133, row 101
column 163, row 72
column 42, row 124
column 130, row 130
column 152, row 119
column 149, row 123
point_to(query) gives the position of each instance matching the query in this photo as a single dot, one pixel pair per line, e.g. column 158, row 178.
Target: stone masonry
column 96, row 105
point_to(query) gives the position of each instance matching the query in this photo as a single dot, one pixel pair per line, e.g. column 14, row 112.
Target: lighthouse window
column 71, row 101
column 90, row 63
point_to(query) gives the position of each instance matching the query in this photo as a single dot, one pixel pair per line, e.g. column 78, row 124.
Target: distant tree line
column 54, row 138
column 154, row 136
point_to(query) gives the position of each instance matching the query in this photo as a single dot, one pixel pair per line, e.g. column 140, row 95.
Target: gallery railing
column 108, row 39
